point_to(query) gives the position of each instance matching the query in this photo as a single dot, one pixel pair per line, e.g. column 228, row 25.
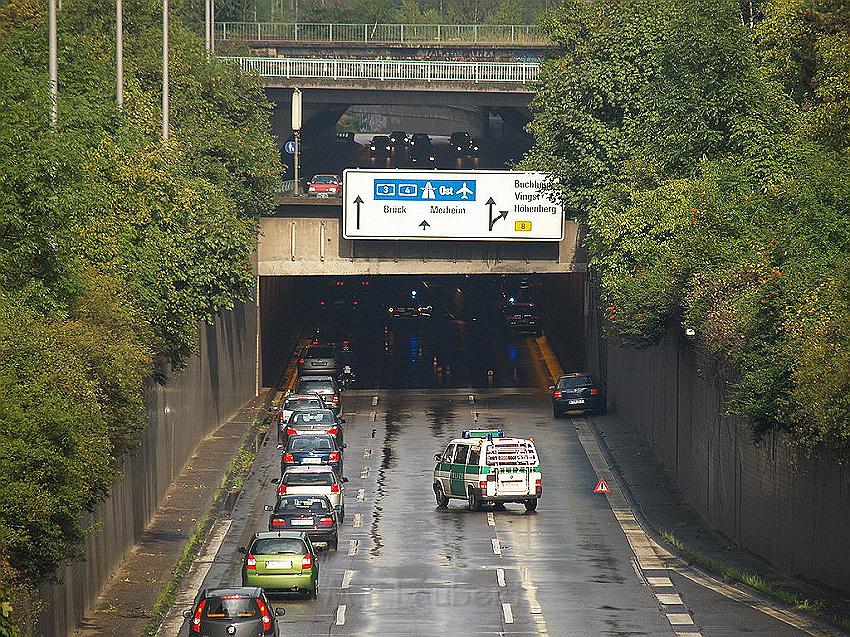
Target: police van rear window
column 511, row 453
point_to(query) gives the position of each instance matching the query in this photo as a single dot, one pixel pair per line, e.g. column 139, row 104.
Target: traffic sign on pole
column 601, row 487
column 290, row 147
column 461, row 205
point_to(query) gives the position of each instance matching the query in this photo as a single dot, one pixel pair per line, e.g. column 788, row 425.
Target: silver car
column 297, row 402
column 315, row 480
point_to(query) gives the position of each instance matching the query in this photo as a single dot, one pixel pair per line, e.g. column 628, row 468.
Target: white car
column 315, row 480
column 297, row 402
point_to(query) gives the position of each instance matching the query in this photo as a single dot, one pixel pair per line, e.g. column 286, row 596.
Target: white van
column 482, row 466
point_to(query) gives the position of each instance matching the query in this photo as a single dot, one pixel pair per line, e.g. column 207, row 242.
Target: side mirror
column 187, row 614
column 437, row 456
column 280, row 447
column 275, row 480
column 338, row 507
column 551, row 387
column 344, row 446
column 342, row 420
column 241, row 549
column 279, row 612
column 344, row 480
column 268, row 507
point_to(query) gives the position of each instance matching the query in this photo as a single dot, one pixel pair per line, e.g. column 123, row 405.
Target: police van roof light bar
column 483, row 433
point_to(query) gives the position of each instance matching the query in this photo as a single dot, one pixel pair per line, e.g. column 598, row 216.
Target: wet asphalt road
column 405, row 567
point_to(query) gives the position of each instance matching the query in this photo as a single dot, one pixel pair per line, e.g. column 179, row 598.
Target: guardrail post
column 365, row 32
column 336, row 69
column 475, row 33
column 513, row 37
column 296, row 32
column 331, row 33
column 439, row 34
column 402, row 33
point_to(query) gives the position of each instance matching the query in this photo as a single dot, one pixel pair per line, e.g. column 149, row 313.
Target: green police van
column 483, row 466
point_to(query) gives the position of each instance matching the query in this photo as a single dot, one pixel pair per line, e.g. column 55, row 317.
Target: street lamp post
column 119, row 53
column 53, row 64
column 165, row 101
column 296, row 129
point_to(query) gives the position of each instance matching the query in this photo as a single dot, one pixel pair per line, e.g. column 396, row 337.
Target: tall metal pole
column 53, row 64
column 296, row 129
column 165, row 101
column 212, row 27
column 119, row 53
column 207, row 25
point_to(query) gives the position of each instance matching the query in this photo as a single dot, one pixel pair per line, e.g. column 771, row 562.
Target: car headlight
column 431, row 158
column 391, row 310
column 371, row 147
column 475, row 148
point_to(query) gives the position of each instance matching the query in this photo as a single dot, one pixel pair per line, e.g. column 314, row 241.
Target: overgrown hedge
column 114, row 245
column 711, row 164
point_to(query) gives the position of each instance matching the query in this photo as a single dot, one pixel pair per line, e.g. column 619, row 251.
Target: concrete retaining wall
column 216, row 383
column 790, row 510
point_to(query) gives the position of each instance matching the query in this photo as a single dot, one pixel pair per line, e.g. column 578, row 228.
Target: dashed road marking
column 491, row 519
column 669, row 599
column 346, row 578
column 374, row 400
column 680, row 619
column 474, row 416
column 358, row 520
column 508, row 613
column 373, row 416
column 340, row 615
column 367, row 452
column 471, row 399
column 364, row 472
column 659, row 582
column 361, row 495
column 500, row 577
column 497, row 547
column 352, row 546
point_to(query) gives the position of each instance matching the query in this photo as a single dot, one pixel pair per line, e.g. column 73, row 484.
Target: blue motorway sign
column 425, row 189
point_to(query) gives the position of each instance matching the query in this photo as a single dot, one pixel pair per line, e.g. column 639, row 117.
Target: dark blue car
column 311, row 449
column 578, row 392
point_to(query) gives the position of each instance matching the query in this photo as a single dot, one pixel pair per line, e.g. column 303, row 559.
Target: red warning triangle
column 601, row 487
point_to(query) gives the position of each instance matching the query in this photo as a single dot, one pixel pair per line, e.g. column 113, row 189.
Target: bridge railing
column 391, row 70
column 380, row 33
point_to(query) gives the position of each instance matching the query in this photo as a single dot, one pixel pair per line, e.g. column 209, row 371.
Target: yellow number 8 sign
column 522, row 226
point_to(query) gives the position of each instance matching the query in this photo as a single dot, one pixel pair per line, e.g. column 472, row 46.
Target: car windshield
column 310, row 443
column 230, row 607
column 299, row 479
column 295, row 504
column 325, row 179
column 302, row 403
column 278, row 546
column 319, row 352
column 573, row 382
column 313, row 418
column 315, row 385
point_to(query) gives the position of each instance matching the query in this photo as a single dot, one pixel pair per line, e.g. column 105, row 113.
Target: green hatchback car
column 280, row 562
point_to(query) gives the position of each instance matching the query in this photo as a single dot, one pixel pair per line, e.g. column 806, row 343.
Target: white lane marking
column 340, row 615
column 500, row 577
column 358, row 520
column 361, row 495
column 660, row 582
column 346, row 578
column 364, row 472
column 680, row 619
column 352, row 546
column 471, row 399
column 530, row 591
column 491, row 519
column 497, row 547
column 474, row 416
column 367, row 452
column 508, row 613
column 197, row 574
column 373, row 416
column 374, row 400
column 669, row 599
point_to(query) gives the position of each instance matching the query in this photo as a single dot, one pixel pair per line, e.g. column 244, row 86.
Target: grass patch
column 235, row 475
column 816, row 607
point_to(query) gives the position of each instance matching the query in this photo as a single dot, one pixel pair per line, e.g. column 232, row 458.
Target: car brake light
column 307, row 561
column 594, row 392
column 196, row 620
column 335, row 399
column 355, row 302
column 334, row 456
column 301, row 360
column 557, row 393
column 538, row 482
column 264, row 614
column 333, row 431
column 251, row 562
column 290, row 431
column 482, row 484
column 326, row 522
column 346, row 342
column 288, row 457
column 321, row 302
column 334, row 488
column 281, row 490
column 278, row 522
column 315, row 341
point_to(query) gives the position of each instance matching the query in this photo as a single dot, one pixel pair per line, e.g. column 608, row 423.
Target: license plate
column 279, row 564
column 579, row 401
column 301, row 522
column 311, row 461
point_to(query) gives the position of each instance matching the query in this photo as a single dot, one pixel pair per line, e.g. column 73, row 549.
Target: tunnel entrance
column 413, row 332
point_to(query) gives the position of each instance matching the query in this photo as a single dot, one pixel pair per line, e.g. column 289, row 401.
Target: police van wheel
column 473, row 501
column 442, row 500
column 531, row 505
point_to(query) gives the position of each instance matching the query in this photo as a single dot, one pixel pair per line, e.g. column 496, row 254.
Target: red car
column 325, row 186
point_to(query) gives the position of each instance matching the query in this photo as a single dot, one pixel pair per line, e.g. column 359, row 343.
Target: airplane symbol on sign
column 464, row 191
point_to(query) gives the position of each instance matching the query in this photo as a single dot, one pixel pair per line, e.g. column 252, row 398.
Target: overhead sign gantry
column 459, row 205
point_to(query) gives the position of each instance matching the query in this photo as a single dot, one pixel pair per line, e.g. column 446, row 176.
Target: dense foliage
column 711, row 163
column 385, row 11
column 114, row 245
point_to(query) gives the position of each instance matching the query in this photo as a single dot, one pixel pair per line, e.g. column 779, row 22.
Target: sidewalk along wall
column 791, row 510
column 215, row 384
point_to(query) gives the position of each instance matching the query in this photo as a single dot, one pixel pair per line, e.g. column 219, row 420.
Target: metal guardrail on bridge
column 391, row 70
column 381, row 33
